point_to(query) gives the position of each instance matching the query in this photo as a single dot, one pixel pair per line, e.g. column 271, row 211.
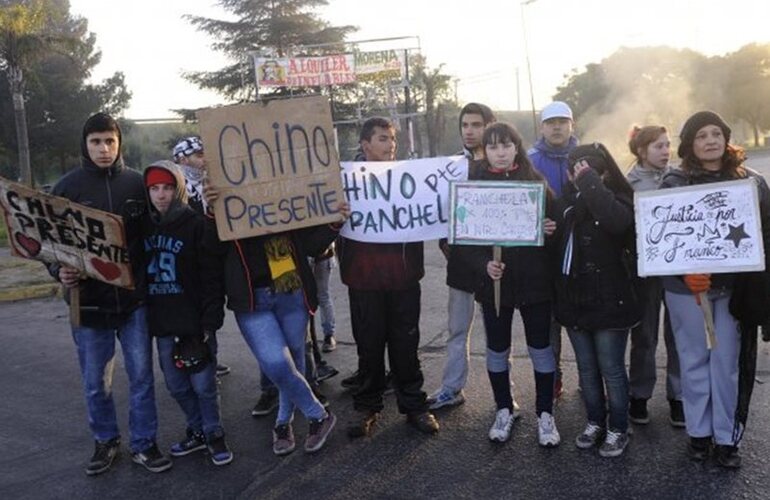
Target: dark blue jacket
column 552, row 163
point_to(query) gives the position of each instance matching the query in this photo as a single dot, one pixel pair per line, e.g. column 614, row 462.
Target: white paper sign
column 709, row 228
column 504, row 213
column 400, row 201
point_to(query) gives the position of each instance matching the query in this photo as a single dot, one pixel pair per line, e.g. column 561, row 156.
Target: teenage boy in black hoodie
column 185, row 300
column 108, row 312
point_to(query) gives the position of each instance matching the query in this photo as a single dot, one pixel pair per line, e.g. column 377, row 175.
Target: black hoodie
column 119, row 190
column 183, row 278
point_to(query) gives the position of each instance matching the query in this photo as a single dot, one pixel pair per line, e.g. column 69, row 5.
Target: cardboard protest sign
column 505, row 213
column 275, row 165
column 53, row 229
column 709, row 228
column 400, row 201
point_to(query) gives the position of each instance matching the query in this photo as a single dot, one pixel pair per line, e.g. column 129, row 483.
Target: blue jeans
column 275, row 332
column 601, row 363
column 96, row 354
column 196, row 393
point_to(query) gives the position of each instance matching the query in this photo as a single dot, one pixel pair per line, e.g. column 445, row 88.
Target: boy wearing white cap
column 549, row 156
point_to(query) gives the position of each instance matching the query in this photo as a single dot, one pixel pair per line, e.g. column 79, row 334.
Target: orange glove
column 698, row 283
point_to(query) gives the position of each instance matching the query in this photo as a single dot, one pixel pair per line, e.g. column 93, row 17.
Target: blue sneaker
column 220, row 453
column 443, row 398
column 193, row 442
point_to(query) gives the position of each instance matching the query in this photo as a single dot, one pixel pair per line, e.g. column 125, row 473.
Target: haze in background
column 480, row 42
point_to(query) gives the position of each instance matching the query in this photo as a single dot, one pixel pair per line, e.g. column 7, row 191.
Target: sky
column 479, row 42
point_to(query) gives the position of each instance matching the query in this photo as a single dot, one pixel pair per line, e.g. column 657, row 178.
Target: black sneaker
column 352, row 382
column 268, row 401
column 220, row 453
column 676, row 417
column 698, row 448
column 104, row 454
column 152, row 459
column 637, row 411
column 727, row 456
column 193, row 442
column 325, row 371
column 222, row 370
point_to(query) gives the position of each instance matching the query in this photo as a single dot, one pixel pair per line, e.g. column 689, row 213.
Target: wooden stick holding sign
column 75, row 306
column 497, row 256
column 708, row 318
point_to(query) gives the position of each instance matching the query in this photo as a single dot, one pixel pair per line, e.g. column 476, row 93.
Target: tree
column 435, row 93
column 22, row 40
column 56, row 97
column 745, row 77
column 277, row 25
column 643, row 85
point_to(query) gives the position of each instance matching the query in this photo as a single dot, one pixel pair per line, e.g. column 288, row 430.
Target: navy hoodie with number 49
column 183, row 278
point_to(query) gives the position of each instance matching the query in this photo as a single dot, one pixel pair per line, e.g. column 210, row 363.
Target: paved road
column 45, row 441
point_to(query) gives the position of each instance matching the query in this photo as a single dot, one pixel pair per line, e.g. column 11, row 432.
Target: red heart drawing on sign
column 30, row 245
column 107, row 269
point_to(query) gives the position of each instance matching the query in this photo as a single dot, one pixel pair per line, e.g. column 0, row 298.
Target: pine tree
column 258, row 26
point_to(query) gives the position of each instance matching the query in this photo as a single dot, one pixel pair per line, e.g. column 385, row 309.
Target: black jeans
column 389, row 319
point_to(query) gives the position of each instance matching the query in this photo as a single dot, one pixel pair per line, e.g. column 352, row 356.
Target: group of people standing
column 582, row 279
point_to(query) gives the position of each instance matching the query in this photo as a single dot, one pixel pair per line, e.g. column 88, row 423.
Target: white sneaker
column 547, row 434
column 501, row 429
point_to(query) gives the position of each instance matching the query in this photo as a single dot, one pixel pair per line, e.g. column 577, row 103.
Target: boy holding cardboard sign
column 109, row 312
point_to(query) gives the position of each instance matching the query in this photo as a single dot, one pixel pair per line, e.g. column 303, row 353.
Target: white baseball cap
column 557, row 109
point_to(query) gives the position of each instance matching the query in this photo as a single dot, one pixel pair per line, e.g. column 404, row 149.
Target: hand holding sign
column 69, row 276
column 698, row 284
column 549, row 226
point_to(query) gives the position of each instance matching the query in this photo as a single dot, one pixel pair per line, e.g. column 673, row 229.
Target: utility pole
column 529, row 67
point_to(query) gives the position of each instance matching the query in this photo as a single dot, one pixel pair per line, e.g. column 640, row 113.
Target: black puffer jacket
column 595, row 283
column 527, row 278
column 118, row 190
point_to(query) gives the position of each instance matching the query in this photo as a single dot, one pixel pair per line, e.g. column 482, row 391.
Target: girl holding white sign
column 716, row 382
column 596, row 297
column 525, row 284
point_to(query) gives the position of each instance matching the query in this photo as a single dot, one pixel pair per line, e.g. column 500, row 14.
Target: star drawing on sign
column 737, row 234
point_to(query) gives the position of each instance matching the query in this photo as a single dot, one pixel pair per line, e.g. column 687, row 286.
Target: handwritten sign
column 505, row 213
column 709, row 228
column 400, row 201
column 275, row 165
column 53, row 229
